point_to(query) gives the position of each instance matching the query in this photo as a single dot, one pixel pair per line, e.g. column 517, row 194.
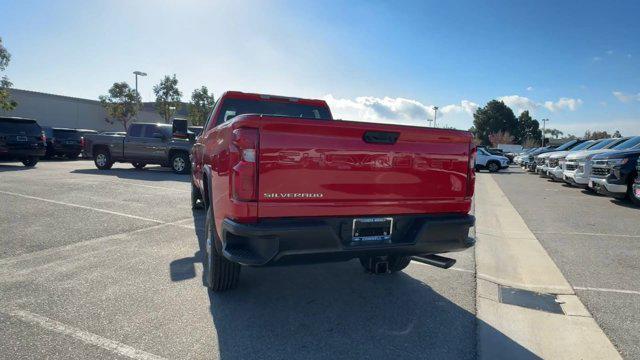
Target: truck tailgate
column 326, row 168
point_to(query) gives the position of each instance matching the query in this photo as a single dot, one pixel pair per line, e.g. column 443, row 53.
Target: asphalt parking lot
column 107, row 264
column 594, row 240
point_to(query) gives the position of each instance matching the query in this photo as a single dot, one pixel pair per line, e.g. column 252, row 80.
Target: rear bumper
column 275, row 242
column 10, row 153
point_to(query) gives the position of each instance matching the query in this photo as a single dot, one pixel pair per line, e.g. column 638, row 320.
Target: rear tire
column 102, row 159
column 395, row 263
column 180, row 163
column 31, row 161
column 138, row 165
column 220, row 273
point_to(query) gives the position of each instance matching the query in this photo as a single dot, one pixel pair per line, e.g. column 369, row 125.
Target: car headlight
column 617, row 162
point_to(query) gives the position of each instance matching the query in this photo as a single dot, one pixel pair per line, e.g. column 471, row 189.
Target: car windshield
column 602, row 144
column 566, row 145
column 584, row 145
column 634, row 141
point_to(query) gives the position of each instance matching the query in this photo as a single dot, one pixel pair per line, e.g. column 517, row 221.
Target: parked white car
column 493, row 163
column 577, row 166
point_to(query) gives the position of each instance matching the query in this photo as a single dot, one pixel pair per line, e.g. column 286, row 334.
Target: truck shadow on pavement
column 339, row 311
column 11, row 167
column 154, row 173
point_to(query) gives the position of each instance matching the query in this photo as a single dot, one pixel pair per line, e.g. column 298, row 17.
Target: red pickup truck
column 285, row 183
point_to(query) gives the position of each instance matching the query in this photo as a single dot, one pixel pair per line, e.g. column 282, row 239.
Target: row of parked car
column 607, row 166
column 24, row 140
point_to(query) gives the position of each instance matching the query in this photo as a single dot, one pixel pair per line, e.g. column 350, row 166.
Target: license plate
column 21, row 138
column 372, row 229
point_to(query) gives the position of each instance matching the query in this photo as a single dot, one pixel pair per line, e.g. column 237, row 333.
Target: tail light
column 471, row 172
column 43, row 137
column 244, row 173
column 82, row 142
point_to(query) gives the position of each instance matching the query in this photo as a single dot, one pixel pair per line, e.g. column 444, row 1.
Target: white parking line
column 619, row 291
column 585, row 233
column 82, row 207
column 84, row 336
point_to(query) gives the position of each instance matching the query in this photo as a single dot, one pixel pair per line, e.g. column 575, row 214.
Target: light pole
column 138, row 73
column 544, row 123
column 435, row 115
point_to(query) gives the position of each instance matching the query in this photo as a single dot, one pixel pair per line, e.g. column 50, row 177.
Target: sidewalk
column 547, row 318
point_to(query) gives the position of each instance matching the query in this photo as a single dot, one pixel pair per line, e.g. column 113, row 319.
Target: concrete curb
column 509, row 254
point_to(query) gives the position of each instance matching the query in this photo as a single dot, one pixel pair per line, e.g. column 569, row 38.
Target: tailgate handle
column 380, row 137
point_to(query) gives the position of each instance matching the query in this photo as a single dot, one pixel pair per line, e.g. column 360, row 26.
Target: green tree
column 553, row 132
column 167, row 97
column 617, row 134
column 200, row 105
column 529, row 128
column 122, row 103
column 493, row 118
column 6, row 103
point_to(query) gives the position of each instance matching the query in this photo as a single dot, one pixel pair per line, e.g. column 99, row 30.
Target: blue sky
column 576, row 63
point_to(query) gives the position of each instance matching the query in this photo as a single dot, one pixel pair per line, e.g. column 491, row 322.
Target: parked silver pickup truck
column 144, row 143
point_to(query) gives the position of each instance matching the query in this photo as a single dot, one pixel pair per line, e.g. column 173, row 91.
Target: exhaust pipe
column 435, row 260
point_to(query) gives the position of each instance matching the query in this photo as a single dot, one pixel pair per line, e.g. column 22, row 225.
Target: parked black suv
column 64, row 142
column 21, row 139
column 615, row 173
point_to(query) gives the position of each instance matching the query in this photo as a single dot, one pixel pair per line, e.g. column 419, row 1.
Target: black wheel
column 220, row 273
column 395, row 263
column 493, row 166
column 634, row 191
column 196, row 198
column 180, row 163
column 102, row 159
column 31, row 161
column 139, row 165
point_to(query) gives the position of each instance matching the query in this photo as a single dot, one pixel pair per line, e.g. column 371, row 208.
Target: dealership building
column 70, row 112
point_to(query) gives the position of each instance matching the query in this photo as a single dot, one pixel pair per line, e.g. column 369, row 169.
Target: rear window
column 234, row 107
column 26, row 127
column 66, row 134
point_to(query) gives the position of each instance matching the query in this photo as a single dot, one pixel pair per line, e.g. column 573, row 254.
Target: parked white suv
column 493, row 163
column 577, row 167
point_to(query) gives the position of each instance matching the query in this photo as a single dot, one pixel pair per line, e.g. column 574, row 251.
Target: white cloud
column 597, row 58
column 519, row 103
column 400, row 110
column 529, row 88
column 626, row 97
column 609, row 52
column 562, row 104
